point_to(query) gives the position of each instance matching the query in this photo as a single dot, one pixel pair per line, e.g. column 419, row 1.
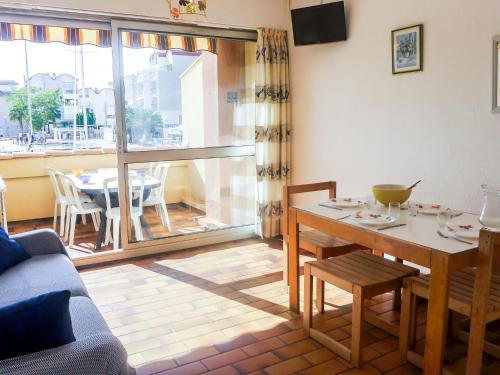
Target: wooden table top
column 420, row 230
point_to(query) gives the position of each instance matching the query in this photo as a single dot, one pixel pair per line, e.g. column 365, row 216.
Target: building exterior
column 7, row 128
column 158, row 87
column 65, row 83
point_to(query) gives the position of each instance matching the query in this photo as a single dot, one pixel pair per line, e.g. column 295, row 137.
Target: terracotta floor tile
column 228, row 370
column 330, row 367
column 296, row 349
column 194, row 368
column 262, row 346
column 256, row 363
column 224, row 359
column 389, row 361
column 319, row 356
column 290, row 366
column 196, row 355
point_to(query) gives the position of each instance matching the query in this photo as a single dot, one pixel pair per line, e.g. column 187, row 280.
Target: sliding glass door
column 185, row 115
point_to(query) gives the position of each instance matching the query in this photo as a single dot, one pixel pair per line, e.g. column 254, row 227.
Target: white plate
column 469, row 232
column 427, row 209
column 346, row 202
column 372, row 218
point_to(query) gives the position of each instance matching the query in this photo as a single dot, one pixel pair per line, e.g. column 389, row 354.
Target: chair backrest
column 105, row 183
column 135, row 190
column 70, row 190
column 160, row 173
column 290, row 190
column 55, row 184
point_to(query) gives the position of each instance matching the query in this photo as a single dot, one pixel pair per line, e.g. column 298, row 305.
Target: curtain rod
column 97, row 16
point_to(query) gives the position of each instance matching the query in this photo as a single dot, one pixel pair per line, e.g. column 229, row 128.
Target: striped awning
column 46, row 34
column 102, row 38
column 133, row 39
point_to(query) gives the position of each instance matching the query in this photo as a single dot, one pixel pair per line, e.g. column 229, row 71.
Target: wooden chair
column 321, row 245
column 473, row 292
column 364, row 275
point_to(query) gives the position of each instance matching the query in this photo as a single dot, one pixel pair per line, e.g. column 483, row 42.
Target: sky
column 59, row 58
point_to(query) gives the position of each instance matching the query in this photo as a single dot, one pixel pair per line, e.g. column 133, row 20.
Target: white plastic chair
column 136, row 190
column 157, row 196
column 61, row 200
column 77, row 207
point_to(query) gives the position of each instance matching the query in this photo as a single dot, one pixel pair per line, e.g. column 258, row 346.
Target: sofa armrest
column 101, row 354
column 41, row 242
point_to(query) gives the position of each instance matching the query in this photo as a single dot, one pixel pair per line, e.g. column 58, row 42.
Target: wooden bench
column 364, row 275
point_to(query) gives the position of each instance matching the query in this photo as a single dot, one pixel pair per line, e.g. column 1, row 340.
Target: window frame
column 106, row 21
column 126, row 157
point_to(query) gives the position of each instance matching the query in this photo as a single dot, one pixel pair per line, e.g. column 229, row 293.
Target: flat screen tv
column 319, row 24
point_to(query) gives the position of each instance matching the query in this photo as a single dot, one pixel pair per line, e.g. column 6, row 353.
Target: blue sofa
column 96, row 350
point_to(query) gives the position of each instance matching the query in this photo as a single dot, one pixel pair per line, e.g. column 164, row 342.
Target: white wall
column 242, row 13
column 355, row 122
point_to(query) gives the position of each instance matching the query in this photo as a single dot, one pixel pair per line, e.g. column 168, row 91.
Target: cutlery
column 415, row 184
column 391, row 226
column 345, row 217
column 457, row 215
column 454, row 238
column 332, row 207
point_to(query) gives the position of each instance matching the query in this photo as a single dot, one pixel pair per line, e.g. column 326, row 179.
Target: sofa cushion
column 11, row 252
column 86, row 318
column 38, row 275
column 35, row 324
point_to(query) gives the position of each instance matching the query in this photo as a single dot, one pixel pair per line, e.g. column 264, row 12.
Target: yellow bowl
column 386, row 194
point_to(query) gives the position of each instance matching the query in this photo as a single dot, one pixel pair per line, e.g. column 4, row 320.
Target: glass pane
column 179, row 99
column 195, row 196
column 67, row 102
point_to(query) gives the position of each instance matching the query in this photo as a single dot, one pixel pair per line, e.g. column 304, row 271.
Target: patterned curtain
column 272, row 133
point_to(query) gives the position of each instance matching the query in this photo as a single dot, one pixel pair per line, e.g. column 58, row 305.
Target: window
column 177, row 109
column 51, row 103
column 205, row 96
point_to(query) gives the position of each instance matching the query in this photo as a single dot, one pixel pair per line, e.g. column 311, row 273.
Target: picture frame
column 496, row 75
column 407, row 45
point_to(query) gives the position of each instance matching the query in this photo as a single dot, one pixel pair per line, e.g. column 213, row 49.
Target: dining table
column 92, row 184
column 413, row 239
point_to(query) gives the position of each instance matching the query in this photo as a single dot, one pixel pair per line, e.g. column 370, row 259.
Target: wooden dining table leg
column 437, row 314
column 293, row 261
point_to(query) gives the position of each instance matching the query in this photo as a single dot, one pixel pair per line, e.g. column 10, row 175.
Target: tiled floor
column 223, row 310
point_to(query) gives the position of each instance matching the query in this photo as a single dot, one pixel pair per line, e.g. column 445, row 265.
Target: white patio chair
column 77, row 207
column 136, row 190
column 157, row 196
column 61, row 200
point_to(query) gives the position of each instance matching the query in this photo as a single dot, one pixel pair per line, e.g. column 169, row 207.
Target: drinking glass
column 412, row 209
column 394, row 210
column 371, row 202
column 444, row 217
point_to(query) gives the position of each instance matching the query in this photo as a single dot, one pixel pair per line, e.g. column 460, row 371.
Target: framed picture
column 496, row 74
column 407, row 49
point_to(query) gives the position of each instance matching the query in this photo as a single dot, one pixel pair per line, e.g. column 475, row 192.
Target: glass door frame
column 125, row 157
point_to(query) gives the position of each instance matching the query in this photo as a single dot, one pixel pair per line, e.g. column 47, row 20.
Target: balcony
column 201, row 195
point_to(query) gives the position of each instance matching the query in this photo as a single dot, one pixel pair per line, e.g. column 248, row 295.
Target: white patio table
column 92, row 184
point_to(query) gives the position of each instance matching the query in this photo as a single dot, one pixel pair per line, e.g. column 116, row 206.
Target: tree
column 90, row 117
column 142, row 124
column 45, row 107
column 18, row 110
